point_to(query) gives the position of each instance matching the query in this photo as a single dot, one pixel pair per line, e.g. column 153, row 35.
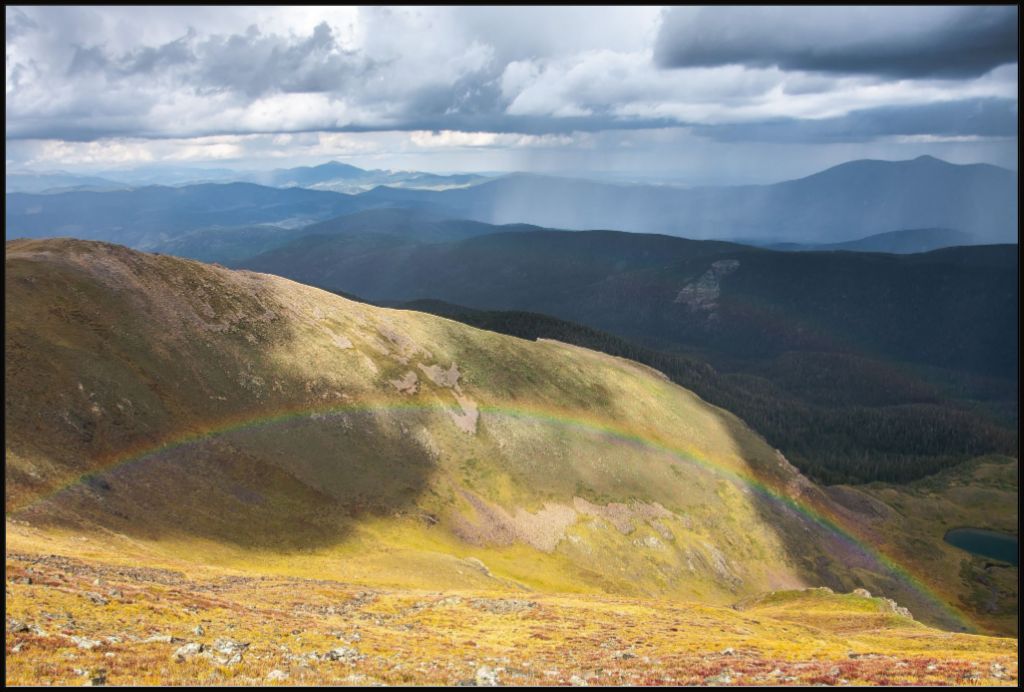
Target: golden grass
column 410, row 636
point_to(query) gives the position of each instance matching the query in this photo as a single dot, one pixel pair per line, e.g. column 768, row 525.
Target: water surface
column 990, row 544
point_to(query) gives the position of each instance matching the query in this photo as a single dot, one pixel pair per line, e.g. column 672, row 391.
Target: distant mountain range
column 846, row 202
column 333, row 175
column 389, row 227
column 839, row 205
column 144, row 217
column 894, row 242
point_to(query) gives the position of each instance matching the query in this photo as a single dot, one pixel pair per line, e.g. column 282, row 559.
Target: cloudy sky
column 701, row 95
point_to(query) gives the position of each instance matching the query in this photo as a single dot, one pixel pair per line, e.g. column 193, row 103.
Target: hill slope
column 190, row 412
column 897, row 242
column 858, row 366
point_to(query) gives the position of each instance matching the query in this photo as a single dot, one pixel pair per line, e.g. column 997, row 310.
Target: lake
column 990, row 544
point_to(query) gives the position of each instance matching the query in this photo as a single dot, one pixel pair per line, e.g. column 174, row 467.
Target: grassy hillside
column 165, row 411
column 74, row 621
column 858, row 366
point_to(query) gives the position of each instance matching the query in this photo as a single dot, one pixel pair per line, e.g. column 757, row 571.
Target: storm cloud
column 114, row 78
column 887, row 41
column 951, row 120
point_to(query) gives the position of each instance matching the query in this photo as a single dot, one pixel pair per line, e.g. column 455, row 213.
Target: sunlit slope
column 178, row 410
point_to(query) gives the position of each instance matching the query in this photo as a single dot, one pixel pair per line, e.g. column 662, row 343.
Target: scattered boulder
column 897, row 609
column 863, row 593
column 723, row 678
column 502, row 606
column 230, row 651
column 96, row 678
column 345, row 654
column 85, row 643
column 189, row 650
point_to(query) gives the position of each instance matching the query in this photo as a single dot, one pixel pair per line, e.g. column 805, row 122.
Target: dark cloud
column 967, row 118
column 83, row 74
column 256, row 64
column 888, row 41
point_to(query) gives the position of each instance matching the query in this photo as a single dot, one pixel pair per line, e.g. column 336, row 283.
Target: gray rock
column 86, row 643
column 723, row 678
column 345, row 654
column 188, row 651
column 486, row 677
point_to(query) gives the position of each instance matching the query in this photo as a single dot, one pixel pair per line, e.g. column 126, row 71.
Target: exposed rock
column 502, row 606
column 894, row 607
column 96, row 598
column 277, row 675
column 344, row 654
column 486, row 677
column 702, row 294
column 188, row 651
column 160, row 639
column 723, row 678
column 230, row 651
column 96, row 678
column 444, row 378
column 85, row 643
column 863, row 593
column 407, row 383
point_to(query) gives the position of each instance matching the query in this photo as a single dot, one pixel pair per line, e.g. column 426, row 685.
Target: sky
column 691, row 94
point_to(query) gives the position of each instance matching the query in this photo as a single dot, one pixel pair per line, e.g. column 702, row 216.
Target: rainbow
column 819, row 516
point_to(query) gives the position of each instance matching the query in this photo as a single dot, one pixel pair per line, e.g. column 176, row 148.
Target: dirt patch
column 407, row 383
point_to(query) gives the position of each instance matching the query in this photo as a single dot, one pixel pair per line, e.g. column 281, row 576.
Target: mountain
column 186, row 414
column 43, row 182
column 387, row 227
column 849, row 201
column 333, row 176
column 419, row 225
column 341, row 177
column 306, row 176
column 852, row 200
column 944, row 308
column 896, row 242
column 858, row 366
column 144, row 217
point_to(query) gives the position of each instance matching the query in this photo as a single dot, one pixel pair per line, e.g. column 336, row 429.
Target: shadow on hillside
column 152, row 419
